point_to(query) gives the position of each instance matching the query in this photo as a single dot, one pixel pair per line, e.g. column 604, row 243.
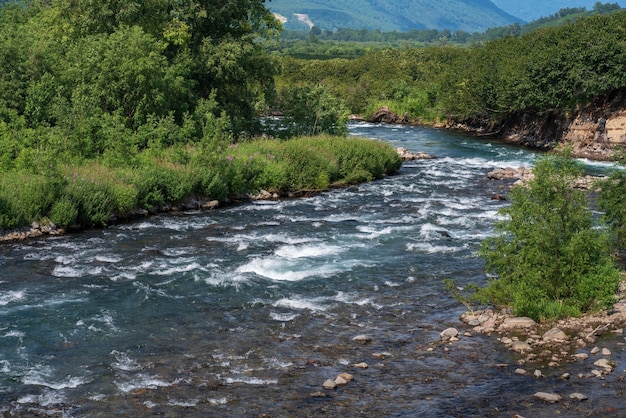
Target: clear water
column 248, row 309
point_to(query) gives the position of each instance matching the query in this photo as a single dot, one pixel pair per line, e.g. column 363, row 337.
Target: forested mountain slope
column 402, row 15
column 529, row 10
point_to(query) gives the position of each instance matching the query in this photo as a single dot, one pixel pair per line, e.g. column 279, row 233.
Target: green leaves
column 549, row 257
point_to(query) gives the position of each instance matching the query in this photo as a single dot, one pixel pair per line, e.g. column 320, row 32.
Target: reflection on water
column 247, row 310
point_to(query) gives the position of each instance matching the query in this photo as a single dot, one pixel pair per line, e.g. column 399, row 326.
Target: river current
column 248, row 309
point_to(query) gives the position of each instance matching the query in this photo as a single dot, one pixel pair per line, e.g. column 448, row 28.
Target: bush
column 64, row 212
column 25, row 198
column 550, row 258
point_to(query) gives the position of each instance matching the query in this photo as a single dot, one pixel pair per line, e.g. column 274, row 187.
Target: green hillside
column 402, row 15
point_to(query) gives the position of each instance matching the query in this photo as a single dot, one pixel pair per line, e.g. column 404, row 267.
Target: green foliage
column 25, row 197
column 551, row 68
column 312, row 111
column 612, row 201
column 64, row 212
column 550, row 259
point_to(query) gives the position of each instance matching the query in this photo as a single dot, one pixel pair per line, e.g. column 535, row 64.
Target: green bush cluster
column 94, row 194
column 550, row 257
column 550, row 68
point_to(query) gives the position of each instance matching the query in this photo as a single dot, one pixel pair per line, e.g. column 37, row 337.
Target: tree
column 550, row 258
column 313, row 111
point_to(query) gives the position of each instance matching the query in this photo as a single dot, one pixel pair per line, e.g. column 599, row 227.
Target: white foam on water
column 108, row 259
column 48, row 398
column 11, row 296
column 285, row 270
column 66, row 271
column 355, row 299
column 217, row 401
column 125, row 362
column 432, row 249
column 308, row 251
column 372, row 233
column 248, row 380
column 283, row 317
column 185, row 404
column 41, row 376
column 14, row 334
column 143, row 381
column 300, row 304
column 183, row 268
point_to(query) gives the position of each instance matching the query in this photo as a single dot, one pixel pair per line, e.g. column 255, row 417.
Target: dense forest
column 352, row 43
column 111, row 108
column 553, row 68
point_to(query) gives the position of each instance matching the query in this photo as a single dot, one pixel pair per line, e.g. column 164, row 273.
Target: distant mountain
column 387, row 16
column 529, row 10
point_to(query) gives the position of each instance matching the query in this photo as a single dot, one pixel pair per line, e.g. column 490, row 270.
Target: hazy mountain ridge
column 402, row 15
column 529, row 10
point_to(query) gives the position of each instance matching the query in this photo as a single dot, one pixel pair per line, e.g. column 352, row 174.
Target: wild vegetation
column 318, row 43
column 551, row 258
column 554, row 68
column 109, row 107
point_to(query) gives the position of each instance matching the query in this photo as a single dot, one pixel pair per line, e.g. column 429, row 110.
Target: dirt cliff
column 594, row 131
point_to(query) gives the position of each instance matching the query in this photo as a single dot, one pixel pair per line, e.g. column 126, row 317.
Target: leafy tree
column 313, row 111
column 550, row 259
column 612, row 201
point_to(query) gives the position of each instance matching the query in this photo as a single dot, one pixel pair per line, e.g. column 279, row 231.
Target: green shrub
column 64, row 212
column 550, row 258
column 25, row 197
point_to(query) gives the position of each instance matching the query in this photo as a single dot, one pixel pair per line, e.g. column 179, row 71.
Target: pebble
column 340, row 381
column 606, row 352
column 329, row 384
column 346, row 376
column 595, row 350
column 520, row 346
column 554, row 334
column 362, row 339
column 565, row 376
column 520, row 371
column 538, row 373
column 361, row 365
column 517, row 323
column 449, row 333
column 581, row 356
column 548, row 397
column 578, row 396
column 604, row 364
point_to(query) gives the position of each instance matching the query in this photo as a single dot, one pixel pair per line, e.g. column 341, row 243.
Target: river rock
column 521, row 347
column 448, row 334
column 407, row 155
column 604, row 364
column 548, row 397
column 595, row 350
column 362, row 339
column 578, row 396
column 520, row 371
column 517, row 322
column 340, row 381
column 361, row 365
column 213, row 204
column 554, row 335
column 606, row 352
column 346, row 376
column 329, row 384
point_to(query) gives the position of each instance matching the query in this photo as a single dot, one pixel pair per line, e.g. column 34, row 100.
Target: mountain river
column 248, row 309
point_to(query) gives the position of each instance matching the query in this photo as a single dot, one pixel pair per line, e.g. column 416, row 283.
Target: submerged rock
column 548, row 397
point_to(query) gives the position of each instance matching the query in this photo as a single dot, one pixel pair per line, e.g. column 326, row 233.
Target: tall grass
column 97, row 193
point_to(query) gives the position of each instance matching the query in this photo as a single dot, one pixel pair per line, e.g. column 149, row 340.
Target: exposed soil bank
column 594, row 131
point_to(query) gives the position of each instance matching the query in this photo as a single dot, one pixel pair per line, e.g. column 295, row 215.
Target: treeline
column 352, row 43
column 113, row 106
column 553, row 68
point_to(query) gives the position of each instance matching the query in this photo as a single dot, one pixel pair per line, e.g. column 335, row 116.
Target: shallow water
column 248, row 309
